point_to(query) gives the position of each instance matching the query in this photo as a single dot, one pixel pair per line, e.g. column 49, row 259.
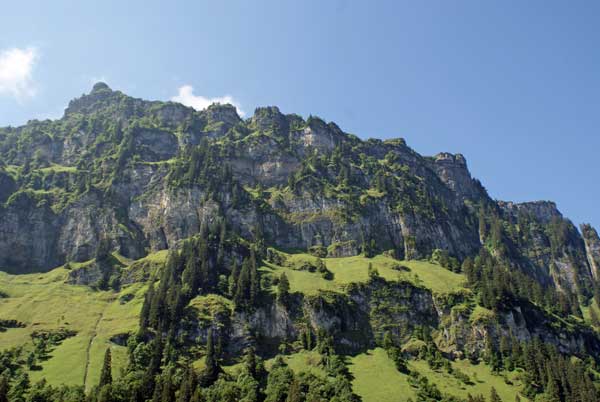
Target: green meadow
column 46, row 302
column 348, row 270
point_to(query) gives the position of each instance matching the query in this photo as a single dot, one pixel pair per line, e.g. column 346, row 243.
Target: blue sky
column 513, row 85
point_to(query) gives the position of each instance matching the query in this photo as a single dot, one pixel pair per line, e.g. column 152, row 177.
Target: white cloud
column 186, row 96
column 16, row 66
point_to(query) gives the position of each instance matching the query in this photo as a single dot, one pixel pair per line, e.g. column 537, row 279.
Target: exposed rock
column 592, row 248
column 7, row 186
column 453, row 171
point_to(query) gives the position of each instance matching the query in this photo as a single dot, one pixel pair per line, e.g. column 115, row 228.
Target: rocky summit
column 278, row 258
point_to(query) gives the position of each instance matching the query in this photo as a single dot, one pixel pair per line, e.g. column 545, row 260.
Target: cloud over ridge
column 186, row 97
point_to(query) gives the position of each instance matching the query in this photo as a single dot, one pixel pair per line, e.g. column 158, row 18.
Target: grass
column 355, row 269
column 45, row 301
column 482, row 377
column 54, row 168
column 482, row 314
column 302, row 361
column 377, row 380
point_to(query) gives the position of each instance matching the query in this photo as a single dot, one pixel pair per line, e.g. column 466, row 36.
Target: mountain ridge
column 206, row 236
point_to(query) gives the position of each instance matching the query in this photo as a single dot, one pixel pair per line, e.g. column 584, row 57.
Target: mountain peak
column 100, row 86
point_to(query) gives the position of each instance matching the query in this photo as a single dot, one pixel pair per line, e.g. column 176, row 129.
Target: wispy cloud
column 16, row 68
column 186, row 96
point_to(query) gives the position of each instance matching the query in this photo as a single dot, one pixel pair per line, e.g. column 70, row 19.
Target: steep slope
column 280, row 235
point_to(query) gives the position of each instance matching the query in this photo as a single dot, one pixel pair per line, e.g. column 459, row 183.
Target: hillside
column 276, row 258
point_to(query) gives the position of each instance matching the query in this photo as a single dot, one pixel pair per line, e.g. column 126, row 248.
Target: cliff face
column 592, row 248
column 146, row 175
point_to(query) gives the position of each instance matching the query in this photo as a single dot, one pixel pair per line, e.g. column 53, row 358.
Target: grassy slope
column 377, row 380
column 45, row 301
column 355, row 269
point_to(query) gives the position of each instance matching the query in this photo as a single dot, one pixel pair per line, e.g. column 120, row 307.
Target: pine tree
column 212, row 369
column 243, row 292
column 145, row 312
column 250, row 361
column 372, row 272
column 254, row 279
column 233, row 279
column 4, row 388
column 283, row 288
column 387, row 340
column 294, row 392
column 106, row 373
column 105, row 394
column 494, row 397
column 552, row 389
column 19, row 388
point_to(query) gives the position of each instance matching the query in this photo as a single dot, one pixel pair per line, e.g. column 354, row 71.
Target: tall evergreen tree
column 106, row 373
column 211, row 369
column 4, row 388
column 283, row 288
column 494, row 397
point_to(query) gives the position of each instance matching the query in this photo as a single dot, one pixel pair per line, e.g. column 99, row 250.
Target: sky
column 512, row 85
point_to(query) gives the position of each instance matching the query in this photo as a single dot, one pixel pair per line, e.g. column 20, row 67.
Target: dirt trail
column 91, row 342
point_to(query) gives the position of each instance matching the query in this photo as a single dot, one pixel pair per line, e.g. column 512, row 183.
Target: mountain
column 200, row 239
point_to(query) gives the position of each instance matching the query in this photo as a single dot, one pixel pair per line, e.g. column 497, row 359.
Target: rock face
column 7, row 186
column 453, row 171
column 148, row 174
column 592, row 248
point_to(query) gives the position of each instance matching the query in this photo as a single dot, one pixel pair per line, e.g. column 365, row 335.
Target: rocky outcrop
column 550, row 246
column 155, row 145
column 453, row 171
column 7, row 186
column 35, row 237
column 592, row 249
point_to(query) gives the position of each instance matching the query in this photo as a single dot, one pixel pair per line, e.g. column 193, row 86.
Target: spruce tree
column 145, row 312
column 4, row 388
column 242, row 293
column 283, row 288
column 211, row 370
column 233, row 279
column 494, row 397
column 254, row 279
column 294, row 392
column 106, row 373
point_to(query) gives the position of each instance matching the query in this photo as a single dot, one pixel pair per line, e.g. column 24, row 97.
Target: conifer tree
column 294, row 392
column 4, row 388
column 145, row 312
column 233, row 279
column 494, row 397
column 283, row 288
column 254, row 279
column 106, row 373
column 212, row 369
column 243, row 291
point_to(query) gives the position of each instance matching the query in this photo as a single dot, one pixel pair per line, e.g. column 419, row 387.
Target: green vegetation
column 44, row 302
column 348, row 270
column 194, row 323
column 376, row 378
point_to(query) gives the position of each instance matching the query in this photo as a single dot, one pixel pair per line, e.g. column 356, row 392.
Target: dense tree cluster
column 498, row 285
